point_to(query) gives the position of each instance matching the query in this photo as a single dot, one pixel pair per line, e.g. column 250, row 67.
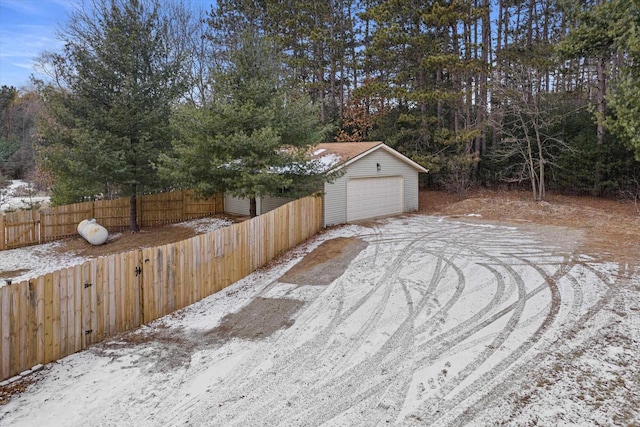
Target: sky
column 28, row 28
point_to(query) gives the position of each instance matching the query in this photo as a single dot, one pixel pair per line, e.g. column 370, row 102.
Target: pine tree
column 254, row 137
column 595, row 38
column 110, row 120
column 625, row 101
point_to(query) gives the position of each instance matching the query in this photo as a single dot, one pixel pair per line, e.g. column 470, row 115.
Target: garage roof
column 349, row 152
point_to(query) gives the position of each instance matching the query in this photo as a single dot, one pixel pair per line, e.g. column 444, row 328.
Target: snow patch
column 327, row 161
column 20, row 195
column 205, row 225
column 38, row 260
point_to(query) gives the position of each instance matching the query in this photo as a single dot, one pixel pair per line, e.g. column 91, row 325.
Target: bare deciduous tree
column 527, row 141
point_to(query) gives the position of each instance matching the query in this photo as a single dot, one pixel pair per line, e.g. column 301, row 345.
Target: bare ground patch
column 325, row 263
column 159, row 348
column 258, row 319
column 127, row 241
column 17, row 387
column 8, row 274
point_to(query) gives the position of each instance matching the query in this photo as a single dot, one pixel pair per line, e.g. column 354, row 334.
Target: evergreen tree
column 625, row 101
column 254, row 137
column 423, row 82
column 109, row 122
column 18, row 113
column 594, row 38
column 8, row 144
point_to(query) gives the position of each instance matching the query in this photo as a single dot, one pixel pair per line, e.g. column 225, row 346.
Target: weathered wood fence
column 52, row 316
column 25, row 228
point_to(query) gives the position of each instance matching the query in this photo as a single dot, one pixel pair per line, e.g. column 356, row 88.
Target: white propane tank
column 92, row 232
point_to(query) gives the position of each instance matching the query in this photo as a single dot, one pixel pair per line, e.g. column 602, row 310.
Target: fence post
column 39, row 216
column 139, row 211
column 140, row 284
column 219, row 203
column 184, row 203
column 2, row 233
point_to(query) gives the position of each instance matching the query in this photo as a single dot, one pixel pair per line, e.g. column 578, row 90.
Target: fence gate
column 89, row 304
column 21, row 229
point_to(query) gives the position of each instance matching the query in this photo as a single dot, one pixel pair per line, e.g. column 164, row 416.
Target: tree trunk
column 530, row 24
column 333, row 70
column 457, row 80
column 601, row 107
column 532, row 171
column 541, row 165
column 253, row 207
column 542, row 184
column 468, row 77
column 484, row 96
column 439, row 102
column 530, row 162
column 133, row 214
column 495, row 106
column 423, row 109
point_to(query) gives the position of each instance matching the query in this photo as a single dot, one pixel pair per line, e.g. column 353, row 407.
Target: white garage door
column 373, row 197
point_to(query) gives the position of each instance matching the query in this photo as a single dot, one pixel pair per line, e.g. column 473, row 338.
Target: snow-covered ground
column 35, row 261
column 435, row 322
column 204, row 225
column 19, row 195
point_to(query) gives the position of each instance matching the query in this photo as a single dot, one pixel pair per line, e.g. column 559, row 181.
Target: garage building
column 376, row 181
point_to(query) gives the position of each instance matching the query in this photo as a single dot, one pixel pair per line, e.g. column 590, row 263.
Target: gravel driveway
column 429, row 322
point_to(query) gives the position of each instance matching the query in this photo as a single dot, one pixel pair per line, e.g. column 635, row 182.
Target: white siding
column 236, row 205
column 240, row 206
column 335, row 200
column 270, row 203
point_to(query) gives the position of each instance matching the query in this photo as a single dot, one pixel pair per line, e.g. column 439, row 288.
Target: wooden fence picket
column 5, row 333
column 2, row 234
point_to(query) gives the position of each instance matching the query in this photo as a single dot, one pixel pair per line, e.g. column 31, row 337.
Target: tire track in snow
column 435, row 405
column 446, row 406
column 568, row 331
column 353, row 375
column 338, row 320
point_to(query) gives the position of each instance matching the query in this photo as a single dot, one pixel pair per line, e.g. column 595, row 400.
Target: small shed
column 240, row 206
column 376, row 181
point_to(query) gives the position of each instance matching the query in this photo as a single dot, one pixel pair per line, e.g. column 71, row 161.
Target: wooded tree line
column 18, row 113
column 538, row 93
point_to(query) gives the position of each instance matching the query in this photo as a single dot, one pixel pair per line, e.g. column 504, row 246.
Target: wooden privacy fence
column 24, row 228
column 59, row 313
